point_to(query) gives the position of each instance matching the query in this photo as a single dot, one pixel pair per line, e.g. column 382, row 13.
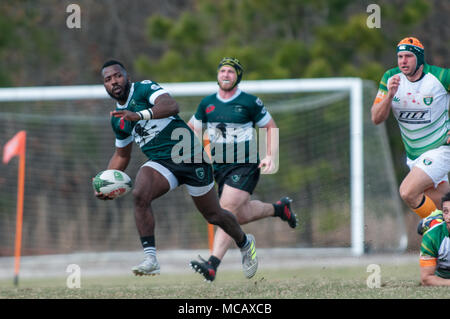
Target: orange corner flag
column 15, row 146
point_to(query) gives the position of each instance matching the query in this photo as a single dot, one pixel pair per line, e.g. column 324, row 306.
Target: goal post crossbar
column 352, row 85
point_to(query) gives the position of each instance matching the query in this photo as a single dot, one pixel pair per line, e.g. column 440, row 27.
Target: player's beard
column 124, row 95
column 228, row 88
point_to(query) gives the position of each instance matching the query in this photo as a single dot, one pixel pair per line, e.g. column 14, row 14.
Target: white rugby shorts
column 435, row 163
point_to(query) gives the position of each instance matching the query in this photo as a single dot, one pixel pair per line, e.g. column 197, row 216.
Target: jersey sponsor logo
column 230, row 133
column 146, row 132
column 141, row 130
column 122, row 124
column 415, row 116
column 221, row 130
column 210, row 109
column 427, row 100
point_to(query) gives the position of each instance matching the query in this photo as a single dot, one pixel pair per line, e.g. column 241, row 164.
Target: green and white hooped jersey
column 421, row 108
column 436, row 244
column 230, row 125
column 154, row 137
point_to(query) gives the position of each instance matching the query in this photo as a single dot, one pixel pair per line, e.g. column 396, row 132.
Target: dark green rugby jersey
column 231, row 125
column 156, row 137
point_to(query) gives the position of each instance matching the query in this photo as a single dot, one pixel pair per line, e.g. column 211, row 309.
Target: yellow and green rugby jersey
column 154, row 137
column 436, row 246
column 421, row 108
column 230, row 126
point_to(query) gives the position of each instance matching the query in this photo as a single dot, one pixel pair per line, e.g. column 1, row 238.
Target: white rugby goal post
column 353, row 90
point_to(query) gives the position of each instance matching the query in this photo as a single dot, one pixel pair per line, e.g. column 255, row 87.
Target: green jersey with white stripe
column 436, row 244
column 231, row 125
column 156, row 137
column 421, row 108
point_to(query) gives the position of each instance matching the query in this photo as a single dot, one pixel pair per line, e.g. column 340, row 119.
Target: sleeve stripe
column 383, row 87
column 426, row 248
column 429, row 262
column 125, row 142
column 155, row 95
column 266, row 118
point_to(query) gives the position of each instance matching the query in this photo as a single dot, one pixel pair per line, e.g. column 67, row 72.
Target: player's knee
column 404, row 193
column 213, row 217
column 230, row 206
column 237, row 210
column 241, row 217
column 141, row 199
column 408, row 195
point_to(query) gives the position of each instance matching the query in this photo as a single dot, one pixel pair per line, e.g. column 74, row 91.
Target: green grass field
column 400, row 282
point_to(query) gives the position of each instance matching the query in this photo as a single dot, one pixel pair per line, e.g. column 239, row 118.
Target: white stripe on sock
column 150, row 251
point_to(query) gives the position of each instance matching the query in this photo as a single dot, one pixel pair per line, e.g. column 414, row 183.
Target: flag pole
column 207, row 148
column 16, row 147
column 19, row 220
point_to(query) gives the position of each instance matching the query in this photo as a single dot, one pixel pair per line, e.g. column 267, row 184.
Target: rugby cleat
column 427, row 223
column 204, row 268
column 288, row 215
column 149, row 267
column 249, row 259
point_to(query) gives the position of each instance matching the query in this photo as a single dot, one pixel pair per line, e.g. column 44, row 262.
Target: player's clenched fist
column 393, row 85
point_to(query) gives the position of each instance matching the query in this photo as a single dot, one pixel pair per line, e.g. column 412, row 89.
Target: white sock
column 150, row 251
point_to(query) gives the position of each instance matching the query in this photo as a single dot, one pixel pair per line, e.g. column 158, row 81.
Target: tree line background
column 183, row 40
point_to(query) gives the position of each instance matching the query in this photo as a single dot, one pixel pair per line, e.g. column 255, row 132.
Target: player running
column 147, row 114
column 418, row 94
column 435, row 251
column 229, row 118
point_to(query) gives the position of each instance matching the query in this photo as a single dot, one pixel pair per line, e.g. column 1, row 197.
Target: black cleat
column 205, row 268
column 287, row 214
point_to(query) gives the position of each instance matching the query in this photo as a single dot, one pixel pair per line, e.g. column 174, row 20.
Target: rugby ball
column 112, row 183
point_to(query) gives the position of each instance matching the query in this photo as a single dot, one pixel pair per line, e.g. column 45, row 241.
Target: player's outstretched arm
column 428, row 278
column 164, row 106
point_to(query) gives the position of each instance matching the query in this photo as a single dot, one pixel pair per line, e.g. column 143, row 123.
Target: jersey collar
column 128, row 100
column 235, row 95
